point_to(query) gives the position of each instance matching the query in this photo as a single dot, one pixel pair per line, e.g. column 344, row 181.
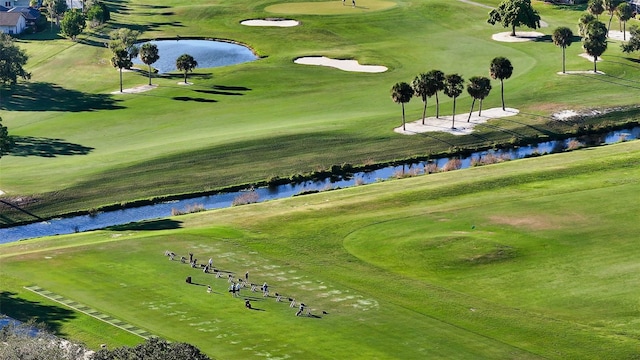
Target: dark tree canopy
column 153, row 348
column 563, row 37
column 126, row 39
column 401, row 93
column 478, row 88
column 501, row 69
column 584, row 21
column 595, row 41
column 595, row 7
column 435, row 80
column 514, row 13
column 610, row 6
column 186, row 63
column 98, row 13
column 73, row 23
column 12, row 60
column 149, row 55
column 624, row 12
column 6, row 142
column 634, row 40
column 453, row 87
column 422, row 90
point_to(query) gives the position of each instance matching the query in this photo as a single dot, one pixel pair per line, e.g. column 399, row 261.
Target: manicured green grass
column 533, row 258
column 82, row 147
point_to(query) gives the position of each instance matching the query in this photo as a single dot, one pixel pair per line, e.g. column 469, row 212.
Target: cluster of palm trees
column 426, row 85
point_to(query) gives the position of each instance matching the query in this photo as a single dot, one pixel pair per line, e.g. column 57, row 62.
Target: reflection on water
column 119, row 217
column 207, row 53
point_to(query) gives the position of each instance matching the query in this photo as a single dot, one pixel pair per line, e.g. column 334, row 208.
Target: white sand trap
column 2, row 192
column 185, row 83
column 345, row 65
column 270, row 22
column 565, row 114
column 521, row 36
column 462, row 127
column 574, row 72
column 136, row 90
column 618, row 35
column 589, row 57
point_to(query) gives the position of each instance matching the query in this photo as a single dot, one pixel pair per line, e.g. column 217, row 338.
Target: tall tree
column 12, row 60
column 435, row 82
column 186, row 63
column 453, row 87
column 421, row 89
column 73, row 23
column 563, row 37
column 149, row 55
column 501, row 69
column 595, row 8
column 401, row 93
column 584, row 21
column 513, row 13
column 595, row 41
column 6, row 142
column 121, row 60
column 624, row 12
column 126, row 39
column 634, row 40
column 610, row 6
column 479, row 88
column 55, row 8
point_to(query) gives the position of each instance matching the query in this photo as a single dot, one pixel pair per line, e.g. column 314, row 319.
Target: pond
column 208, row 53
column 221, row 200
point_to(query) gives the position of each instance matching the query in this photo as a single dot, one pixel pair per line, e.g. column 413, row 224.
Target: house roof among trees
column 9, row 19
column 29, row 13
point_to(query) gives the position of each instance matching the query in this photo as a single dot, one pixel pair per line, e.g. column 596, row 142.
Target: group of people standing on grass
column 235, row 285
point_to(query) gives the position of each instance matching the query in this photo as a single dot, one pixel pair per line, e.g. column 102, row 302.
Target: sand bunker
column 462, row 127
column 521, row 36
column 136, row 90
column 270, row 22
column 589, row 57
column 345, row 65
column 618, row 35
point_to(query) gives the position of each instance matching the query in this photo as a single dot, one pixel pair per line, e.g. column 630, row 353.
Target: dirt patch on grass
column 528, row 222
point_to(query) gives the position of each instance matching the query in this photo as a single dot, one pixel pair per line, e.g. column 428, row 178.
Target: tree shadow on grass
column 41, row 96
column 189, row 98
column 45, row 147
column 25, row 310
column 162, row 224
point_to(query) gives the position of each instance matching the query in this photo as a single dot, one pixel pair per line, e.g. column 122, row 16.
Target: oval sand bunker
column 270, row 22
column 345, row 65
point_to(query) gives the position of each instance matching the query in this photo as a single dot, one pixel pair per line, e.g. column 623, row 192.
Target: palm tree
column 624, row 12
column 401, row 93
column 501, row 69
column 610, row 6
column 420, row 86
column 479, row 88
column 121, row 60
column 149, row 55
column 453, row 87
column 595, row 42
column 186, row 63
column 595, row 7
column 584, row 21
column 435, row 81
column 563, row 37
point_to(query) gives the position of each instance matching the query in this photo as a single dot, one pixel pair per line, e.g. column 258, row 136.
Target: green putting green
column 330, row 7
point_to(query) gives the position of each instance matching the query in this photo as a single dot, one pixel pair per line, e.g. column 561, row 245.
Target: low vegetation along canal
column 221, row 200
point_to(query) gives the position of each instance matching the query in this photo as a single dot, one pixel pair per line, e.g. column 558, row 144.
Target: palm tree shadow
column 42, row 96
column 162, row 224
column 45, row 147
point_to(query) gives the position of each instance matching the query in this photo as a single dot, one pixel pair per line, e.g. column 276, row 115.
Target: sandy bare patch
column 462, row 127
column 589, row 57
column 270, row 22
column 521, row 36
column 136, row 90
column 345, row 65
column 529, row 222
column 182, row 83
column 619, row 35
column 565, row 114
column 2, row 192
column 574, row 72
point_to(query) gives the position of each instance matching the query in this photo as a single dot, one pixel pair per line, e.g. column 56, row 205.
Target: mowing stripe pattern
column 89, row 311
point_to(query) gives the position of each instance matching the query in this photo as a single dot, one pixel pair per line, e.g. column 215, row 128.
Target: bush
column 248, row 197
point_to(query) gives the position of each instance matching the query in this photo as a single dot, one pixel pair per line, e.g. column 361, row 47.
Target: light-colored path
column 462, row 127
column 89, row 311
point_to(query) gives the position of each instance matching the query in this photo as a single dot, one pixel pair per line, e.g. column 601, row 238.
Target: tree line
column 426, row 85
